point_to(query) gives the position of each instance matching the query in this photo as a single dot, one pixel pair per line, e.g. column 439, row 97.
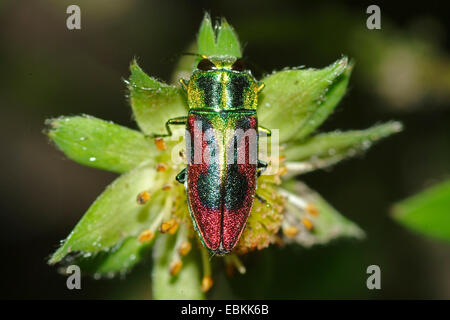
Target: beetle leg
column 261, row 199
column 268, row 132
column 181, row 177
column 260, row 87
column 262, row 166
column 174, row 121
column 184, row 84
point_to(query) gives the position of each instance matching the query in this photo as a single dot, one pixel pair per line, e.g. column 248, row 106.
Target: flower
column 145, row 208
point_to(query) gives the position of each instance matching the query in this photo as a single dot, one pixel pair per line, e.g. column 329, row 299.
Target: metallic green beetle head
column 222, row 83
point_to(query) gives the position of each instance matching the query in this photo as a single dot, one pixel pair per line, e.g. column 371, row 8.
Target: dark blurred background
column 402, row 72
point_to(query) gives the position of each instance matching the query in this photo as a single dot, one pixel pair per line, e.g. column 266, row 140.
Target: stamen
column 175, row 267
column 161, row 167
column 146, row 236
column 160, row 144
column 184, row 248
column 170, row 226
column 174, row 228
column 207, row 281
column 299, row 167
column 312, row 209
column 290, row 231
column 297, row 201
column 236, row 262
column 143, row 197
column 307, row 223
column 164, row 213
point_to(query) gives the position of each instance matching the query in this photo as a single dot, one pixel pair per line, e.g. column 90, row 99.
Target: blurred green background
column 402, row 72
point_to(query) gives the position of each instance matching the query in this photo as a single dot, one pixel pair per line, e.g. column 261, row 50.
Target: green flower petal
column 296, row 101
column 328, row 224
column 154, row 102
column 427, row 212
column 100, row 144
column 120, row 259
column 115, row 215
column 222, row 41
column 186, row 284
column 327, row 104
column 326, row 149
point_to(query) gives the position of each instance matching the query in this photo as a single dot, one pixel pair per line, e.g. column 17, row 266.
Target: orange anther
column 160, row 144
column 146, row 236
column 161, row 167
column 207, row 283
column 290, row 231
column 170, row 226
column 312, row 209
column 143, row 197
column 167, row 187
column 307, row 223
column 174, row 228
column 184, row 248
column 175, row 267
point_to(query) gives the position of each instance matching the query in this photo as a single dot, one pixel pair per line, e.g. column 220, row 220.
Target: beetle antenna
column 194, row 54
column 176, row 56
column 254, row 66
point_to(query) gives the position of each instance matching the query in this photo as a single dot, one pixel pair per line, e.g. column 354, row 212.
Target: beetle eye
column 239, row 65
column 206, row 65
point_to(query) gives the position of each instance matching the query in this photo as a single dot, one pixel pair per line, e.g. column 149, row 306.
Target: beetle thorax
column 222, row 89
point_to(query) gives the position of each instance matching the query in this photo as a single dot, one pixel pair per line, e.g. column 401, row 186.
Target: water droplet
column 83, row 138
column 351, row 152
column 92, row 159
column 366, row 144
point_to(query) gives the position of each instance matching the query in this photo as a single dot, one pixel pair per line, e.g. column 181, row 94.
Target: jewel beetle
column 222, row 138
